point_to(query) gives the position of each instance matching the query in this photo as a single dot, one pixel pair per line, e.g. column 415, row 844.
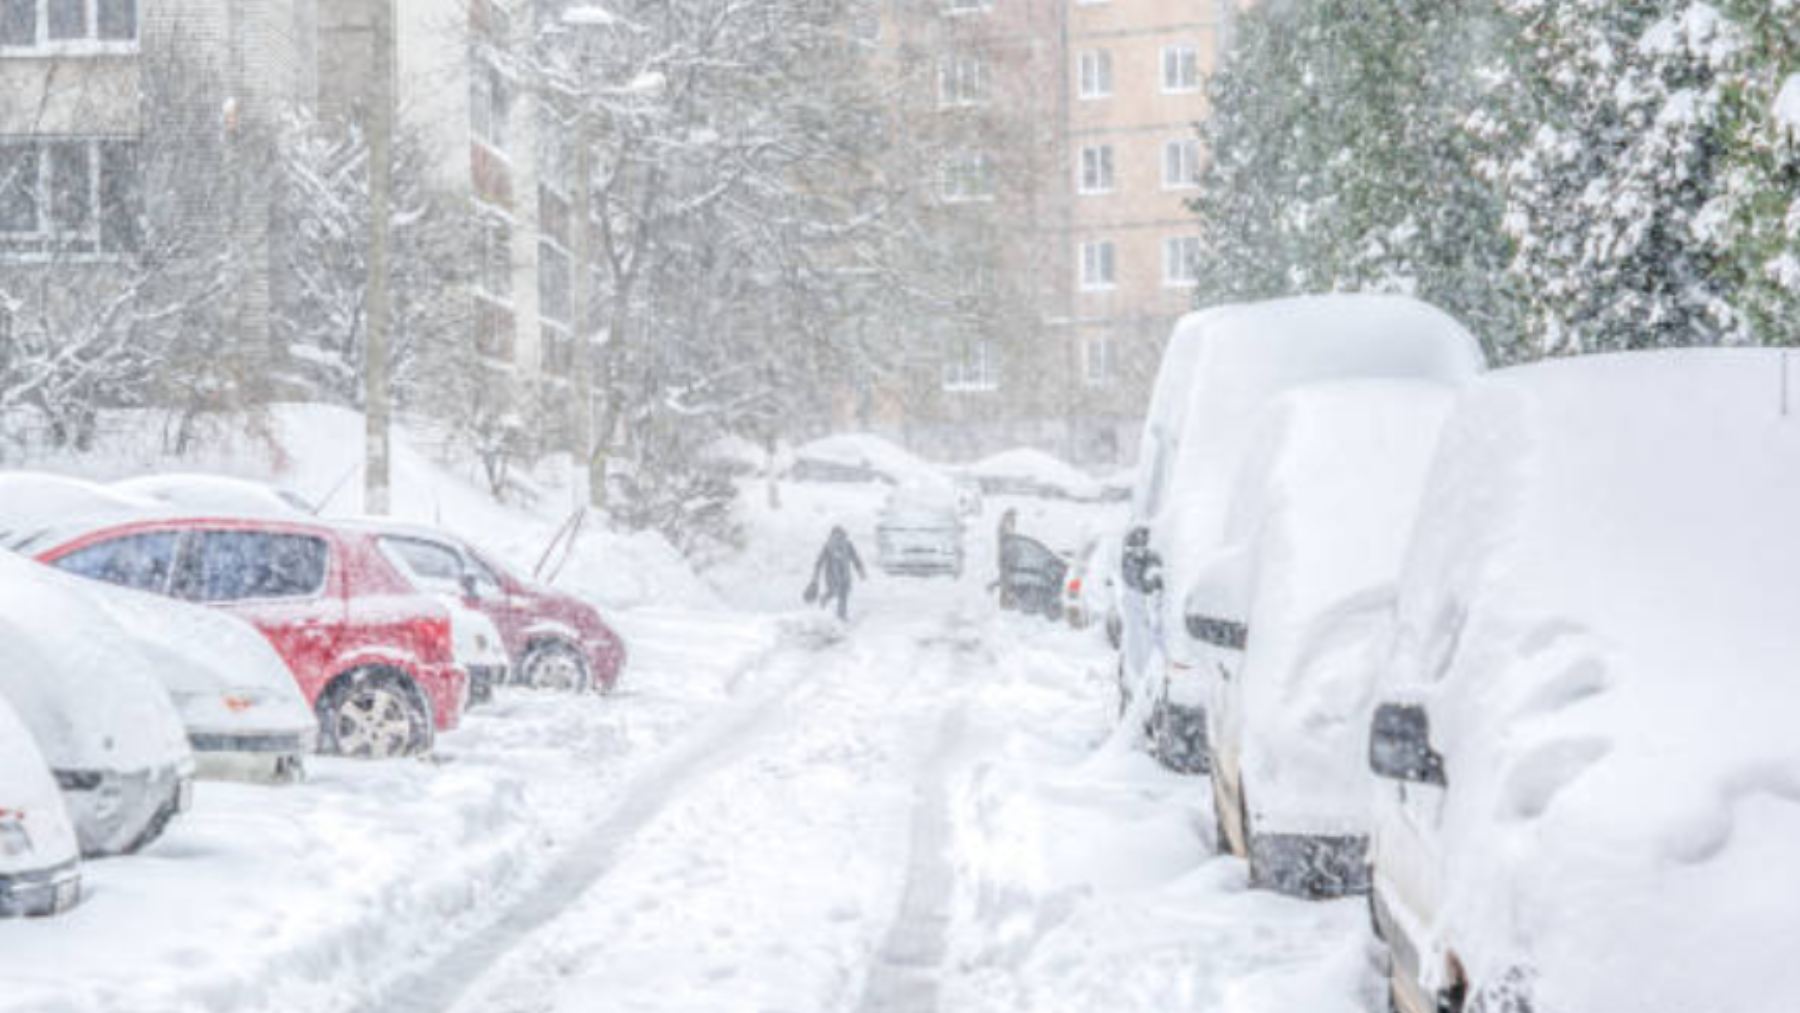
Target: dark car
column 1032, row 576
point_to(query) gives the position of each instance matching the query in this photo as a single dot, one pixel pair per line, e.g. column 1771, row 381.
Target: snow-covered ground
column 920, row 811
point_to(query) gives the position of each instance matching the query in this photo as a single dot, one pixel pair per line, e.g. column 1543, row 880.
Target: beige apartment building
column 1087, row 147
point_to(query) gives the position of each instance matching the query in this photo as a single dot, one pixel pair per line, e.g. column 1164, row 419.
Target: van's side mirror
column 1139, row 565
column 470, row 589
column 1218, row 601
column 1400, row 745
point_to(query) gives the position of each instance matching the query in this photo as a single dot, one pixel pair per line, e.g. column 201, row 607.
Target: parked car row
column 1508, row 651
column 145, row 642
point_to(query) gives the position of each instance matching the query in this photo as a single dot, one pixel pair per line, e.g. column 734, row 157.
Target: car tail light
column 1075, row 586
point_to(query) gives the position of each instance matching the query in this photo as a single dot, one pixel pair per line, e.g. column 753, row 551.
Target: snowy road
column 919, row 812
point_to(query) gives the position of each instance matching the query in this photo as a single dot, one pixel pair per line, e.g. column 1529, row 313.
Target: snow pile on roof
column 1038, row 471
column 1325, row 511
column 37, row 506
column 865, row 452
column 1605, row 578
column 215, row 494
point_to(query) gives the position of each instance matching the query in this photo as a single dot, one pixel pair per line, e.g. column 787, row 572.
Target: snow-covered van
column 98, row 714
column 1586, row 723
column 1221, row 369
column 40, row 864
column 1287, row 614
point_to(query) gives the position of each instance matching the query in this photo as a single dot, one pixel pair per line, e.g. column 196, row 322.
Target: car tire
column 373, row 714
column 554, row 665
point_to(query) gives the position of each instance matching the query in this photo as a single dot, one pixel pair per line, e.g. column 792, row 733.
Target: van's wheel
column 557, row 666
column 373, row 714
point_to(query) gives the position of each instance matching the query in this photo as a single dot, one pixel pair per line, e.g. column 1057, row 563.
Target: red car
column 374, row 657
column 555, row 640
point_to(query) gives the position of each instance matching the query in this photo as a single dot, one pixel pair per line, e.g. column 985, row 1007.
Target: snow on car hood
column 78, row 678
column 223, row 676
column 1325, row 509
column 30, row 804
column 1600, row 609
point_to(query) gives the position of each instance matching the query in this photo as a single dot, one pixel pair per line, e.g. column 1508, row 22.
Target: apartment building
column 106, row 107
column 1079, row 147
column 1136, row 73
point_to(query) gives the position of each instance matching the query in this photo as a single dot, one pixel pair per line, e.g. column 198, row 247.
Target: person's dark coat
column 834, row 565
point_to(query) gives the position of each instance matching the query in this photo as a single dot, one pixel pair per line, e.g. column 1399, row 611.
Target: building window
column 490, row 105
column 1097, row 360
column 970, row 366
column 1096, row 74
column 1180, row 68
column 494, row 273
column 1097, row 266
column 962, row 81
column 64, row 25
column 65, row 196
column 966, row 178
column 1097, row 169
column 1181, row 163
column 1181, row 261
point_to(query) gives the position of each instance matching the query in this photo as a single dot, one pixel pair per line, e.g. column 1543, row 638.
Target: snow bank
column 1598, row 612
column 1034, row 472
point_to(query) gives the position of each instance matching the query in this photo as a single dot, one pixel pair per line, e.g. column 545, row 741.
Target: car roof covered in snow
column 1599, row 611
column 216, row 494
column 1028, row 464
column 869, row 452
column 78, row 677
column 38, row 509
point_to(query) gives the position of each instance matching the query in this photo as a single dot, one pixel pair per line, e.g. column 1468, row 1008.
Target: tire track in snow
column 440, row 983
column 906, row 972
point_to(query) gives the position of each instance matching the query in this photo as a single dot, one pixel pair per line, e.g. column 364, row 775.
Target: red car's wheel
column 373, row 714
column 555, row 665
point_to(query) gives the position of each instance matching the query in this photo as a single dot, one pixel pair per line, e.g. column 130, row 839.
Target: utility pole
column 581, row 292
column 379, row 127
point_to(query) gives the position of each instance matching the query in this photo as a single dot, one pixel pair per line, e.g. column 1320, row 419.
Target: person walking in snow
column 835, row 562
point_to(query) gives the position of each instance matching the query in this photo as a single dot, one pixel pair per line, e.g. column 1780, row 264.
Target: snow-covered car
column 551, row 639
column 435, row 567
column 244, row 717
column 40, row 862
column 216, row 494
column 1091, row 594
column 1221, row 369
column 1585, row 724
column 857, row 457
column 95, row 709
column 1027, row 472
column 919, row 532
column 1287, row 614
column 374, row 657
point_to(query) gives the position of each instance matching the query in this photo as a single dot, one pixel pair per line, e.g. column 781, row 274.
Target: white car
column 220, row 494
column 1287, row 613
column 103, row 722
column 40, row 863
column 1586, row 725
column 1221, row 369
column 919, row 532
column 434, row 566
column 245, row 717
